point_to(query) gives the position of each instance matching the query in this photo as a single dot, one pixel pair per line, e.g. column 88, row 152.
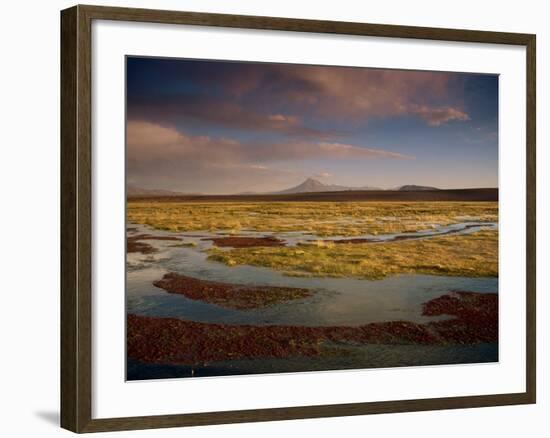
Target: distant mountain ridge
column 312, row 185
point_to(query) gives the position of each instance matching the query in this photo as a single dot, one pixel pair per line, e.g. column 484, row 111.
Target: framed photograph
column 269, row 218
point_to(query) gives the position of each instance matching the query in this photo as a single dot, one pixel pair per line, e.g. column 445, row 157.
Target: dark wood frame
column 76, row 304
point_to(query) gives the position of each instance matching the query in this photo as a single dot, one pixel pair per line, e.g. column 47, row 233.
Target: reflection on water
column 337, row 301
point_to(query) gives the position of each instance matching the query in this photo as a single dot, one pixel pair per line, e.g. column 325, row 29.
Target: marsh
column 195, row 276
column 284, row 217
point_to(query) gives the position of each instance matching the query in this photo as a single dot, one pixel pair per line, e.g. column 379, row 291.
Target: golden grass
column 469, row 255
column 321, row 218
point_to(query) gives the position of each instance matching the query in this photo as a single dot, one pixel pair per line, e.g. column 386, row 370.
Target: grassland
column 470, row 255
column 323, row 219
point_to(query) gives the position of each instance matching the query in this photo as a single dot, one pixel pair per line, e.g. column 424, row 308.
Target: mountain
column 312, row 185
column 415, row 188
column 139, row 192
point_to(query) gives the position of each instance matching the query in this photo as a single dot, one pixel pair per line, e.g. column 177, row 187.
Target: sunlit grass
column 320, row 218
column 469, row 255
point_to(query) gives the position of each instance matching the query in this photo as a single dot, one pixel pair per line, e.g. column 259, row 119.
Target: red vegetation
column 141, row 247
column 234, row 296
column 171, row 340
column 134, row 244
column 246, row 242
column 476, row 317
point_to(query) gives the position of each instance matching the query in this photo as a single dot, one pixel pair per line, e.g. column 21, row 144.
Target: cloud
column 161, row 157
column 292, row 120
column 205, row 111
column 322, row 175
column 356, row 93
column 147, row 141
column 206, row 177
column 339, row 150
column 438, row 116
column 296, row 99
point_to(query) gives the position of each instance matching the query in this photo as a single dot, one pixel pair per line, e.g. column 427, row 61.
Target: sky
column 219, row 127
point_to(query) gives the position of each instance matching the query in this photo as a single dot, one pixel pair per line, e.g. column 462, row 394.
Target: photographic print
column 290, row 218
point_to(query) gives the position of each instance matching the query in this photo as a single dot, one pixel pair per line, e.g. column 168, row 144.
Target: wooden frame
column 76, row 308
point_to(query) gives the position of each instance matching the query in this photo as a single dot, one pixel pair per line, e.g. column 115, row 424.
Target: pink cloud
column 273, row 98
column 339, row 150
column 147, row 142
column 223, row 112
column 323, row 175
column 359, row 93
column 438, row 116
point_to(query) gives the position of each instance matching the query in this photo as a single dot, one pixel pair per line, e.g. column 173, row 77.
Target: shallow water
column 293, row 238
column 337, row 301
